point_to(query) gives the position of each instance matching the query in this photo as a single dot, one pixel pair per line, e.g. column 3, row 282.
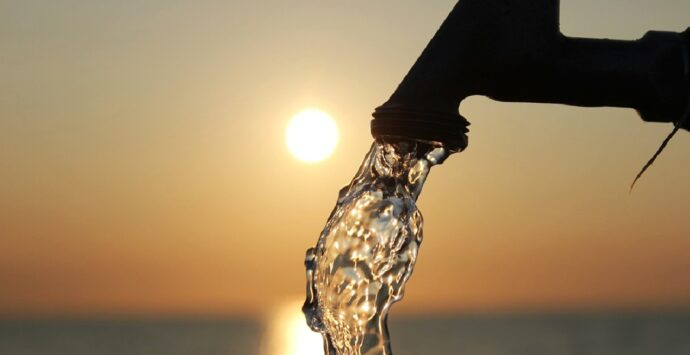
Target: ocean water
column 570, row 334
column 130, row 337
column 546, row 334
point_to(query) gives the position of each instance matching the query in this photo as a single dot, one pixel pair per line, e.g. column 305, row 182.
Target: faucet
column 513, row 51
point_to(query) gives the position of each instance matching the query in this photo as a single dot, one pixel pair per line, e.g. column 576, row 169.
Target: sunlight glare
column 311, row 136
column 288, row 333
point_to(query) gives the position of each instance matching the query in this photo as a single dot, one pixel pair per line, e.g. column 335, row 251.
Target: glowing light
column 311, row 136
column 288, row 333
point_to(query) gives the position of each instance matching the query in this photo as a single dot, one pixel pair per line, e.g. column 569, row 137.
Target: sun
column 311, row 136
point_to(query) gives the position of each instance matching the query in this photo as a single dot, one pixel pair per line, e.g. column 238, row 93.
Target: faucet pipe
column 513, row 51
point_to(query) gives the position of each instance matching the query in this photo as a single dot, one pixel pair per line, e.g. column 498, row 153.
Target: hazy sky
column 143, row 166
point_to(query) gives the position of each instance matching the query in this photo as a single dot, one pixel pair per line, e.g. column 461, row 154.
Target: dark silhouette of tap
column 512, row 50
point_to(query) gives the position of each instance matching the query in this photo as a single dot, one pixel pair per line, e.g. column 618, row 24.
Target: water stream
column 368, row 248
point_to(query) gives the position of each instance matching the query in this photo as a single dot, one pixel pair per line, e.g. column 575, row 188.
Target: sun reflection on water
column 287, row 333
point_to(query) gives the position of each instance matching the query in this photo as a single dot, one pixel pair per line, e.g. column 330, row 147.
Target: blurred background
column 149, row 203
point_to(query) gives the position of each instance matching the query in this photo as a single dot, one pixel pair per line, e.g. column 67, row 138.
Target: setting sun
column 311, row 136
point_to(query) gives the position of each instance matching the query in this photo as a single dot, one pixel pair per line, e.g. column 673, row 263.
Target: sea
column 484, row 334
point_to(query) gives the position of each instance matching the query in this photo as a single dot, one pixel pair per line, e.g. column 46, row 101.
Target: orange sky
column 143, row 167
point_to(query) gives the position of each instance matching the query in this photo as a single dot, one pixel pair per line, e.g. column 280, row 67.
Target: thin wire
column 663, row 145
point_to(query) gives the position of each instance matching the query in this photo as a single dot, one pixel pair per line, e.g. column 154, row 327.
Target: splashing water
column 368, row 248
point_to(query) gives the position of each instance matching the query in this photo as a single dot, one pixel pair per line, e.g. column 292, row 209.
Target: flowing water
column 368, row 248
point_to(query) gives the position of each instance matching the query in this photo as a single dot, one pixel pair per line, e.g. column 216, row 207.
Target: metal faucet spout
column 512, row 50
